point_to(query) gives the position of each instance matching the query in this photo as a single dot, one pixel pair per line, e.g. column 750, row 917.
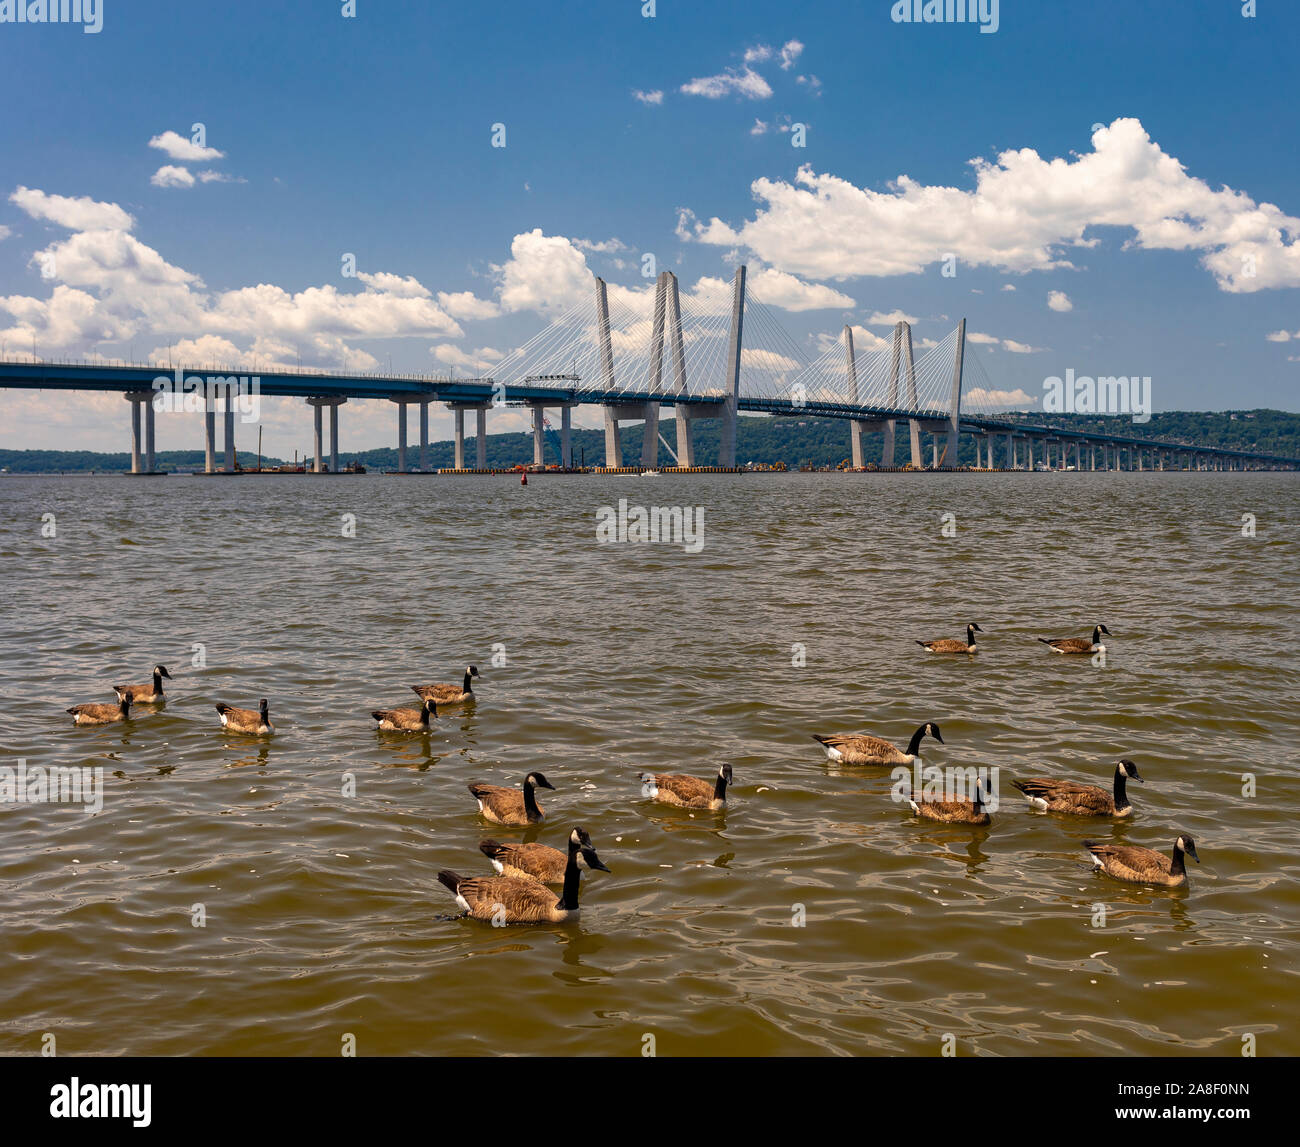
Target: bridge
column 708, row 355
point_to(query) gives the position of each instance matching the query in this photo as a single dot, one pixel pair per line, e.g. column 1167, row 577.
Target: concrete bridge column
column 1092, row 455
column 401, row 435
column 459, row 459
column 1029, row 451
column 149, row 436
column 918, row 460
column 135, row 400
column 334, row 434
column 685, row 440
column 1011, row 451
column 566, row 432
column 230, row 430
column 424, row 434
column 480, row 445
column 650, row 441
column 318, row 461
column 934, row 450
column 539, row 439
column 613, row 441
column 887, row 443
column 209, row 429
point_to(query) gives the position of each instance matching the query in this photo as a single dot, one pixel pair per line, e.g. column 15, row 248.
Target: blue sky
column 372, row 135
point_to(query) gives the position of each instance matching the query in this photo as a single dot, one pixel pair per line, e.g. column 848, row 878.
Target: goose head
column 538, row 781
column 725, row 773
column 1101, row 629
column 973, row 627
column 932, row 730
column 586, row 851
column 1188, row 845
column 161, row 670
column 1127, row 768
column 431, row 706
column 471, row 670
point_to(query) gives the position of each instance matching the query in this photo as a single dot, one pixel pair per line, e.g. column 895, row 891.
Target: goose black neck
column 915, row 743
column 970, row 635
column 263, row 713
column 1121, row 789
column 157, row 681
column 1096, row 635
column 1179, row 865
column 466, row 687
column 124, row 706
column 572, row 876
column 424, row 716
column 720, row 787
column 531, row 808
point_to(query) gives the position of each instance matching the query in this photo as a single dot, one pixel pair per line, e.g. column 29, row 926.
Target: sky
column 1108, row 187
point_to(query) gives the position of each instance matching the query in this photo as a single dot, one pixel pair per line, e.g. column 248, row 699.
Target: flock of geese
column 521, row 891
column 1069, row 798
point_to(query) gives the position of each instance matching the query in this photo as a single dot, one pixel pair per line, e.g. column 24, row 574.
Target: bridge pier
column 209, row 430
column 318, row 403
column 137, row 399
column 230, row 432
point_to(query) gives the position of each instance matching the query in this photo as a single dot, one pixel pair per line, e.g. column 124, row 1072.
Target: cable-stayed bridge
column 707, row 354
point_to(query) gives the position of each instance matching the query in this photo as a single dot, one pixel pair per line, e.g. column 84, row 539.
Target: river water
column 279, row 896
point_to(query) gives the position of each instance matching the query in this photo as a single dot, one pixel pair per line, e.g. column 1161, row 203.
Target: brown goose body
column 524, row 899
column 688, row 792
column 1136, row 865
column 1078, row 645
column 952, row 645
column 535, row 861
column 150, row 694
column 957, row 811
column 92, row 714
column 406, row 720
column 954, row 810
column 1074, row 799
column 449, row 694
column 256, row 721
column 512, row 899
column 876, row 751
column 511, row 806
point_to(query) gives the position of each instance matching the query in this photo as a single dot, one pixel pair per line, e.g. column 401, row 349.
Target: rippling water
column 324, row 916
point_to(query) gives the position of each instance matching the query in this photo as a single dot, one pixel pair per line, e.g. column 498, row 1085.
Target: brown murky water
column 323, row 914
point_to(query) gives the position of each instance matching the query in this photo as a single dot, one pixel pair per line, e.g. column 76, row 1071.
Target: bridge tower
column 954, row 405
column 727, row 444
column 856, row 426
column 615, row 411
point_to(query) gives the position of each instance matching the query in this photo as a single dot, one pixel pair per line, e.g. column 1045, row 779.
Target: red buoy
column 523, row 478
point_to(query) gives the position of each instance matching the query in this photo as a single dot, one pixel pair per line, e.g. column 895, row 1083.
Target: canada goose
column 146, row 694
column 537, row 861
column 959, row 810
column 863, row 750
column 952, row 645
column 103, row 714
column 1144, row 865
column 510, row 806
column 521, row 899
column 246, row 720
column 450, row 694
column 1074, row 799
column 406, row 720
column 1079, row 644
column 688, row 792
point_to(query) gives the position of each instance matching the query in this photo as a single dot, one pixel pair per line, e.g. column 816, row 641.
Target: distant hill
column 795, row 441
